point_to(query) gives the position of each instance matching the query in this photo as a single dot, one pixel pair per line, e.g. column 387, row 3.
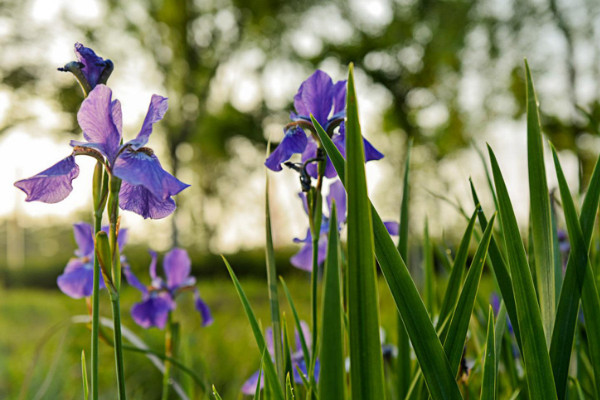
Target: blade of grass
column 257, row 391
column 289, row 391
column 403, row 368
column 84, row 376
column 332, row 372
column 215, row 393
column 428, row 348
column 558, row 262
column 500, row 272
column 429, row 289
column 541, row 221
column 585, row 276
column 272, row 284
column 488, row 385
column 366, row 360
column 303, row 343
column 270, row 372
column 538, row 370
column 568, row 305
column 457, row 333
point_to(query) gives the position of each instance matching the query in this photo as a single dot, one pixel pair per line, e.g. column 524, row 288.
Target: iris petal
column 84, row 239
column 77, row 280
column 293, row 142
column 93, row 65
column 315, row 97
column 177, row 266
column 156, row 111
column 152, row 312
column 53, row 184
column 141, row 201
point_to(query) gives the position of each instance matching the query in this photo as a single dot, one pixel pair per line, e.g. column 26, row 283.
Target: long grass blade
column 488, row 384
column 428, row 348
column 366, row 360
column 270, row 372
column 429, row 287
column 331, row 376
column 538, row 370
column 84, row 376
column 585, row 276
column 541, row 221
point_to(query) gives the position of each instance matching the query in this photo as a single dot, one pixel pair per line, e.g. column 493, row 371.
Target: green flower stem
column 118, row 346
column 168, row 353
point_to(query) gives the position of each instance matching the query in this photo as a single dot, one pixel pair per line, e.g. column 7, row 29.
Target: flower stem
column 118, row 346
column 168, row 353
column 95, row 311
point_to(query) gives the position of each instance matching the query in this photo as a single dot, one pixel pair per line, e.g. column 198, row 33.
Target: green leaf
column 568, row 305
column 456, row 274
column 428, row 348
column 538, row 370
column 366, row 360
column 270, row 372
column 586, row 283
column 257, row 391
column 272, row 284
column 84, row 376
column 429, row 290
column 488, row 384
column 303, row 342
column 541, row 221
column 332, row 373
column 289, row 391
column 457, row 333
column 501, row 273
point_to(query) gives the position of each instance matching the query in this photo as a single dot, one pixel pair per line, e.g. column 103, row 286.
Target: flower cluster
column 158, row 298
column 146, row 188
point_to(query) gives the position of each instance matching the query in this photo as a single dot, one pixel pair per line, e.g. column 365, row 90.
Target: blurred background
column 447, row 74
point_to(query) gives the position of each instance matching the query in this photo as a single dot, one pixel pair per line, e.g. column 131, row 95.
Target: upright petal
column 338, row 193
column 96, row 119
column 53, row 184
column 177, row 266
column 141, row 201
column 315, row 97
column 92, row 64
column 84, row 238
column 156, row 111
column 203, row 309
column 141, row 168
column 294, row 141
column 154, row 256
column 152, row 312
column 339, row 97
column 77, row 281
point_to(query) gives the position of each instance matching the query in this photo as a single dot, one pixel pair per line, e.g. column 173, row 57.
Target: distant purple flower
column 158, row 299
column 146, row 188
column 495, row 303
column 298, row 361
column 77, row 279
column 326, row 101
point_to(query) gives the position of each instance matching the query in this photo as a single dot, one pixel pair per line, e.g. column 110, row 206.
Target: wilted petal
column 92, row 64
column 156, row 112
column 152, row 312
column 337, row 192
column 77, row 280
column 315, row 96
column 84, row 238
column 293, row 142
column 392, row 227
column 141, row 201
column 95, row 117
column 203, row 309
column 142, row 169
column 177, row 266
column 53, row 184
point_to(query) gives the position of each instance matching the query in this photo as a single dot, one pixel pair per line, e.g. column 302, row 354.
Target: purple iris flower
column 78, row 277
column 326, row 101
column 93, row 66
column 495, row 303
column 158, row 299
column 298, row 361
column 146, row 188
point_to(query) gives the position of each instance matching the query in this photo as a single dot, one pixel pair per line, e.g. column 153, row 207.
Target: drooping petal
column 141, row 201
column 392, row 227
column 303, row 258
column 249, row 387
column 315, row 97
column 133, row 280
column 53, row 184
column 293, row 142
column 152, row 312
column 92, row 64
column 177, row 266
column 203, row 309
column 371, row 153
column 84, row 239
column 95, row 117
column 156, row 111
column 338, row 193
column 77, row 280
column 140, row 168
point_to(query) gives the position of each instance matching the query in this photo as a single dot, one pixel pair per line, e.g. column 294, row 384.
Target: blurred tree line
column 445, row 69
